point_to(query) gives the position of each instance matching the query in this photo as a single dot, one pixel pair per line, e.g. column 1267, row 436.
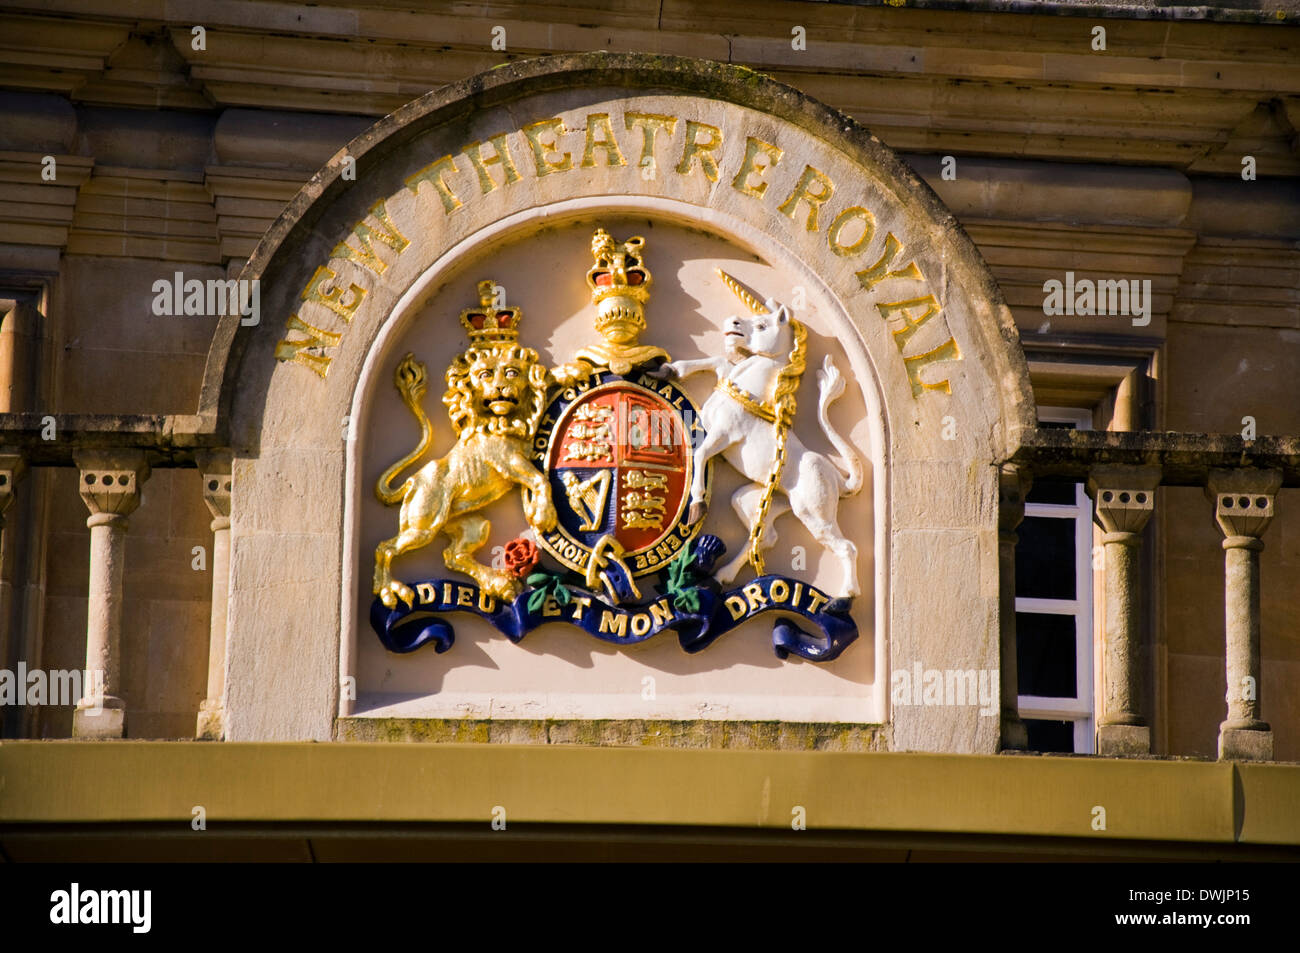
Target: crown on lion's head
column 493, row 321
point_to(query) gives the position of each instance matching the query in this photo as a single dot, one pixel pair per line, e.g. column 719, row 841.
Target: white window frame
column 1080, row 708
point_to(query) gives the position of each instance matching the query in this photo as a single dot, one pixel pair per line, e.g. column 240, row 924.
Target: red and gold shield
column 619, row 462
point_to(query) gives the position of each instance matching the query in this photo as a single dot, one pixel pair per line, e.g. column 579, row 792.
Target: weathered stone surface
column 1013, row 484
column 99, row 726
column 1243, row 508
column 1124, row 499
column 1239, row 744
column 1118, row 741
column 781, row 736
column 286, row 419
column 1228, row 318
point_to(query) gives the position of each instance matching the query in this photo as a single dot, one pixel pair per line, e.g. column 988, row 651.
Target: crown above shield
column 619, row 269
column 620, row 287
column 492, row 322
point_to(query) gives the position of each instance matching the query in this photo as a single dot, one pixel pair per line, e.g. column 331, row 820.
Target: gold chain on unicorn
column 768, row 354
column 783, row 403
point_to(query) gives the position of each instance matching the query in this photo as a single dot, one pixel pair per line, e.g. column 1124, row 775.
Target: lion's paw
column 547, row 518
column 391, row 593
column 503, row 586
column 540, row 513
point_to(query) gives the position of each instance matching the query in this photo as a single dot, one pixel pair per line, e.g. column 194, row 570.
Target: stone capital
column 215, row 468
column 13, row 467
column 1013, row 485
column 110, row 480
column 1124, row 498
column 1243, row 501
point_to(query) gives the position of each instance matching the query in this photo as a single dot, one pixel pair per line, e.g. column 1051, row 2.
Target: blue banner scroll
column 699, row 615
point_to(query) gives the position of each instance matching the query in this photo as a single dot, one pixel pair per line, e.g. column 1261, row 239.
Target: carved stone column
column 1243, row 508
column 1124, row 498
column 1013, row 484
column 12, row 469
column 216, row 494
column 110, row 483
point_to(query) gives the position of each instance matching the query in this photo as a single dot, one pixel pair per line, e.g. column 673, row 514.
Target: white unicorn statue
column 747, row 420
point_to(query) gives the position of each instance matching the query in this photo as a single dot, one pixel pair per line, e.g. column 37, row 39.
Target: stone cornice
column 982, row 88
column 1185, row 459
column 1223, row 11
column 169, row 440
column 145, row 213
column 34, row 211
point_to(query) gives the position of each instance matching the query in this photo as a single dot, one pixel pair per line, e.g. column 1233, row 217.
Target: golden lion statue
column 495, row 397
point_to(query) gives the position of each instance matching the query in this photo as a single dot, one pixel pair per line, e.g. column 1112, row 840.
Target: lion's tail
column 832, row 386
column 411, row 381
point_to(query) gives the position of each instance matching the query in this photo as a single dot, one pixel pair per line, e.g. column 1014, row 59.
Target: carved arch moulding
column 726, row 386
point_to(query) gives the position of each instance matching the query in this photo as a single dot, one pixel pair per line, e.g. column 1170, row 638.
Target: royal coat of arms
column 613, row 461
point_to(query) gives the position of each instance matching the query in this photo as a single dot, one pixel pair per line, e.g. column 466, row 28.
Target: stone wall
column 1118, row 163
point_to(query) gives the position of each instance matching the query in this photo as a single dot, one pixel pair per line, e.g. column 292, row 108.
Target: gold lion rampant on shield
column 496, row 393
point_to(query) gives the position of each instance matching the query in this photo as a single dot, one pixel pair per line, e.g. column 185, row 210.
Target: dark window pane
column 1045, row 558
column 1058, row 425
column 1046, row 491
column 1050, row 735
column 1045, row 656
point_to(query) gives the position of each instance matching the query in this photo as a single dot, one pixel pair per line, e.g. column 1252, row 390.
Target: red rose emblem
column 521, row 557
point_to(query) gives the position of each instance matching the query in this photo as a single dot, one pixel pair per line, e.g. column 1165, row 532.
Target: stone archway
column 402, row 221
